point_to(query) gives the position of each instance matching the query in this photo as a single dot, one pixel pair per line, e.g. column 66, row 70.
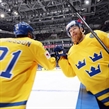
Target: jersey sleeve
column 66, row 67
column 43, row 58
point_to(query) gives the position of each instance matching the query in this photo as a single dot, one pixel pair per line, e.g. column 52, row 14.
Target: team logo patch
column 47, row 55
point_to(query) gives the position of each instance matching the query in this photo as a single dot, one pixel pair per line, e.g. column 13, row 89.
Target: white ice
column 53, row 90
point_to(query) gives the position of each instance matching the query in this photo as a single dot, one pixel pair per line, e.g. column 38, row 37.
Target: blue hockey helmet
column 22, row 28
column 71, row 24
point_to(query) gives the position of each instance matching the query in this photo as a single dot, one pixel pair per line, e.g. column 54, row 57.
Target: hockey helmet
column 71, row 24
column 22, row 28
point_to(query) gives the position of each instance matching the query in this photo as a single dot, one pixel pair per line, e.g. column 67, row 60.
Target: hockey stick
column 95, row 35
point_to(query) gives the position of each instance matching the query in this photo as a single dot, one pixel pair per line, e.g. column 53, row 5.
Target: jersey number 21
column 7, row 73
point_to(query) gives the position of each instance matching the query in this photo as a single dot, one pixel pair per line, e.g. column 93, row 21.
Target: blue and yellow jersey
column 19, row 59
column 90, row 63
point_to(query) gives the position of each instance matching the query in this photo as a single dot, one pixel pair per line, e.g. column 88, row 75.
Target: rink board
column 86, row 100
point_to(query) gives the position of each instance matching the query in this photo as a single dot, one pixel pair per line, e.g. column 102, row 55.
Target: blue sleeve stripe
column 13, row 104
column 105, row 100
column 102, row 92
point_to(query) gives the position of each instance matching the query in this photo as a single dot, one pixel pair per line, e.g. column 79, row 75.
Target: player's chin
column 75, row 40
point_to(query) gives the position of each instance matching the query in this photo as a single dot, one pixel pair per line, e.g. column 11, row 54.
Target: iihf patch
column 47, row 55
column 92, row 36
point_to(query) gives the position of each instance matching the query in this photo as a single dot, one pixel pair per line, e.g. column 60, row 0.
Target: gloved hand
column 59, row 51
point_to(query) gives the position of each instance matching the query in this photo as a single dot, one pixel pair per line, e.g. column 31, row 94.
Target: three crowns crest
column 81, row 64
column 96, row 57
column 94, row 71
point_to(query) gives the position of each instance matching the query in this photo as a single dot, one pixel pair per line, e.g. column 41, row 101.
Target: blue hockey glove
column 59, row 51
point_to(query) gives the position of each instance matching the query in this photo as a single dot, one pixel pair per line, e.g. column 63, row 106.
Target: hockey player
column 19, row 59
column 87, row 60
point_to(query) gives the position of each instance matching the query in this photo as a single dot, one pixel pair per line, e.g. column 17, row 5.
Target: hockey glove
column 59, row 51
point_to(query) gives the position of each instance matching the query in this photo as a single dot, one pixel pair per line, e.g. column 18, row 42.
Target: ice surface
column 53, row 90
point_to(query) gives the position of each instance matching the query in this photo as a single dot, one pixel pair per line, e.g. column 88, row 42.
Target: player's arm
column 44, row 59
column 63, row 62
column 66, row 67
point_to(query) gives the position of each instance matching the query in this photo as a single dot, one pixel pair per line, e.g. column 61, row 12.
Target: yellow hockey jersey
column 90, row 63
column 19, row 59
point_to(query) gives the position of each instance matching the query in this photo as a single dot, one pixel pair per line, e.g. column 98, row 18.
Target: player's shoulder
column 100, row 32
column 35, row 42
column 97, row 32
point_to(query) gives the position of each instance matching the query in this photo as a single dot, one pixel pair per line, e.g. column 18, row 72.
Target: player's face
column 76, row 34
